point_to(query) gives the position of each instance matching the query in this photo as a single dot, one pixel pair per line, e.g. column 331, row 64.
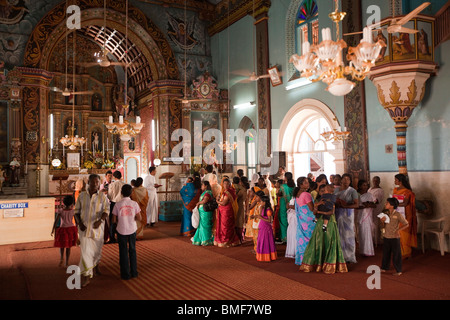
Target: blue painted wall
column 428, row 133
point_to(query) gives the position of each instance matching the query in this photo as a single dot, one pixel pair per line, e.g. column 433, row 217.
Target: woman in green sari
column 204, row 234
column 285, row 195
column 324, row 253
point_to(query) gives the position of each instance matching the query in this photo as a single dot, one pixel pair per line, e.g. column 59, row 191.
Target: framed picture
column 425, row 40
column 404, row 44
column 275, row 78
column 73, row 160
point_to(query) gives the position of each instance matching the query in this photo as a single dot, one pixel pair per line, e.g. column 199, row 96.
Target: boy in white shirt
column 125, row 214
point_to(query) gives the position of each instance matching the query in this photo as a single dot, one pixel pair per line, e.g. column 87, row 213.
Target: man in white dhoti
column 152, row 207
column 91, row 211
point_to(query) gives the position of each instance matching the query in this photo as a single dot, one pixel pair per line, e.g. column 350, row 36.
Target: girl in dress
column 66, row 235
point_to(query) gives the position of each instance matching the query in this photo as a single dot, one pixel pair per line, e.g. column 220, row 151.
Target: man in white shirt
column 91, row 211
column 114, row 195
column 152, row 207
column 108, row 180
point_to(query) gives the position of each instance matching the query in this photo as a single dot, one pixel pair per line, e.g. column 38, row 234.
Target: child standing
column 125, row 214
column 391, row 242
column 66, row 234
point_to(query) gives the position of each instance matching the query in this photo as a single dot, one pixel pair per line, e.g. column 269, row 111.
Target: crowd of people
column 108, row 212
column 320, row 220
column 323, row 221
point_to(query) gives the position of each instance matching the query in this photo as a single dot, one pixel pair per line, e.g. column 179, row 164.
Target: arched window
column 307, row 24
column 312, row 151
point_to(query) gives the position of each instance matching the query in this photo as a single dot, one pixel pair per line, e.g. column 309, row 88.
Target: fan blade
column 264, row 76
column 118, row 64
column 408, row 30
column 413, row 13
column 55, row 89
column 82, row 92
column 89, row 64
column 243, row 73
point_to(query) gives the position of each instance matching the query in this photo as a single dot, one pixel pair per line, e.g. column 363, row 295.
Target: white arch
column 297, row 118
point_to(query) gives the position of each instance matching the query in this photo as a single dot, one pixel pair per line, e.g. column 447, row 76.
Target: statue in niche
column 96, row 104
column 70, row 129
column 132, row 144
column 119, row 100
column 96, row 137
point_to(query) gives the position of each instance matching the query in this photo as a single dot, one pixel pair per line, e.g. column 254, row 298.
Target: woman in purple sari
column 265, row 248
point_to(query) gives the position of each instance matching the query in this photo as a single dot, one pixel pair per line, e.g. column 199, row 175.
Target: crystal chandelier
column 124, row 128
column 324, row 62
column 335, row 135
column 72, row 141
column 227, row 146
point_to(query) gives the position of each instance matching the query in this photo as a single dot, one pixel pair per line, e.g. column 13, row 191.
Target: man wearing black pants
column 391, row 241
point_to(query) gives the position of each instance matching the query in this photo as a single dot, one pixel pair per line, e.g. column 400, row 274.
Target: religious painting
column 208, row 120
column 425, row 40
column 404, row 44
column 70, row 99
column 182, row 32
column 382, row 35
column 96, row 102
column 275, row 78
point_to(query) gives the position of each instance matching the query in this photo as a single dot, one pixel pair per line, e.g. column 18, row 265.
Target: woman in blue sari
column 304, row 206
column 190, row 194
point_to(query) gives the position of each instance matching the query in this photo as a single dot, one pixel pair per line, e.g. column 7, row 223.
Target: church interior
column 315, row 86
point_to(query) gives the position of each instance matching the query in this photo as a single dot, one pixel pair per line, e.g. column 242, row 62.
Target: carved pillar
column 399, row 92
column 356, row 148
column 262, row 62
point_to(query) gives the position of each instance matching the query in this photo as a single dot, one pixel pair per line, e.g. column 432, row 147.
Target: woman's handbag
column 211, row 205
column 195, row 219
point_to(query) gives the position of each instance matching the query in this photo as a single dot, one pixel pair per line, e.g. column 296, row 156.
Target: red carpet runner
column 162, row 278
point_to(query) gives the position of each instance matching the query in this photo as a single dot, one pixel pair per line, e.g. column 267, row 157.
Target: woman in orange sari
column 140, row 195
column 225, row 235
column 407, row 199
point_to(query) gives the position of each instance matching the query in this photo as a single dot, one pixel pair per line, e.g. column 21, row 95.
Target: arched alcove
column 294, row 124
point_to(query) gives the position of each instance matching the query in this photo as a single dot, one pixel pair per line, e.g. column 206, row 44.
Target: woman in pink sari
column 225, row 222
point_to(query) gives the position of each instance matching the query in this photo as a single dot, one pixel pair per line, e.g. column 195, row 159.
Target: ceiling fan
column 102, row 58
column 397, row 25
column 69, row 92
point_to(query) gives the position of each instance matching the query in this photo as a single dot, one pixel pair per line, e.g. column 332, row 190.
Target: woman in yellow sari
column 407, row 207
column 140, row 195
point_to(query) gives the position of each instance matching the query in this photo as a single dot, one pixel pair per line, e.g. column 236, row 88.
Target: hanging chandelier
column 71, row 140
column 124, row 128
column 227, row 146
column 324, row 62
column 335, row 135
